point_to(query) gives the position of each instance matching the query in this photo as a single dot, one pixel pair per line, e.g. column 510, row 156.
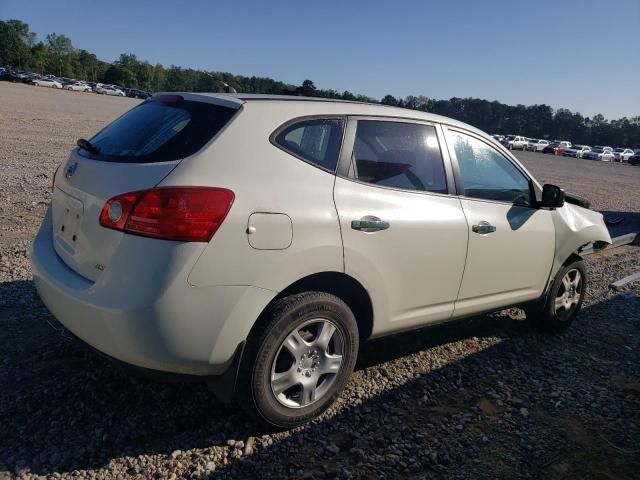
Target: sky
column 582, row 55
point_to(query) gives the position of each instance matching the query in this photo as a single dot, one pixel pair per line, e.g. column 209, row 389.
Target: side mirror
column 552, row 196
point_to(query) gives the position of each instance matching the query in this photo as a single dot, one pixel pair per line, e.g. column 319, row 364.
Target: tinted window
column 316, row 141
column 486, row 174
column 400, row 155
column 157, row 132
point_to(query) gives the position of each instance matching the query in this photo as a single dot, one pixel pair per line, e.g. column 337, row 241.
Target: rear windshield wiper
column 88, row 146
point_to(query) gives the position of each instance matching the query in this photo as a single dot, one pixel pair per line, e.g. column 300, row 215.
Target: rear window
column 155, row 131
column 316, row 141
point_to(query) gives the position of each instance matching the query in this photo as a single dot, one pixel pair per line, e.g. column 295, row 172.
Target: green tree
column 390, row 100
column 308, row 89
column 14, row 50
column 62, row 52
column 39, row 57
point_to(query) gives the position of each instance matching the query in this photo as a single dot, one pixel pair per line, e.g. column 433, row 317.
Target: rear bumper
column 141, row 311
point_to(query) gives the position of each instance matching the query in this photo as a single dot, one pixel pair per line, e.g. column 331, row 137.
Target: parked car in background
column 550, row 147
column 635, row 158
column 562, row 146
column 622, row 154
column 598, row 153
column 531, row 143
column 9, row 76
column 540, row 145
column 576, row 151
column 158, row 250
column 517, row 143
column 499, row 138
column 46, row 82
column 135, row 93
column 506, row 139
column 78, row 87
column 603, row 148
column 29, row 78
column 109, row 90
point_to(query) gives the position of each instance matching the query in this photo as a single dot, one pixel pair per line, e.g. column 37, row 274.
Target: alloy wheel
column 568, row 295
column 307, row 363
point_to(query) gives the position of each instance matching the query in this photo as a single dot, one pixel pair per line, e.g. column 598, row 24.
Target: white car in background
column 517, row 143
column 46, row 82
column 599, row 153
column 531, row 143
column 539, row 145
column 622, row 154
column 109, row 90
column 78, row 87
column 576, row 151
column 169, row 242
column 607, row 156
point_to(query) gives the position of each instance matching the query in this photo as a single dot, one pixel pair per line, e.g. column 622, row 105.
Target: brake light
column 187, row 214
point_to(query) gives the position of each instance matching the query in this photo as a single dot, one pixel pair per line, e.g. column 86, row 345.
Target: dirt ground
column 487, row 397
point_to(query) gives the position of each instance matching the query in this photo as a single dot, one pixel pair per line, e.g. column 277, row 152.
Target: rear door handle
column 369, row 224
column 483, row 228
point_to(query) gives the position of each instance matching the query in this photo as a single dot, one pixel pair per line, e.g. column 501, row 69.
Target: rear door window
column 158, row 131
column 398, row 155
column 316, row 141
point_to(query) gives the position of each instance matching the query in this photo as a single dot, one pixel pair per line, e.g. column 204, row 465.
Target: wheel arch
column 343, row 286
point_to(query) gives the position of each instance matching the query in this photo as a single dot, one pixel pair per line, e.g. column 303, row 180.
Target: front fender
column 575, row 228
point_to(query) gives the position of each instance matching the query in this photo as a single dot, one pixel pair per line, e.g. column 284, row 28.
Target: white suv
column 257, row 241
column 518, row 143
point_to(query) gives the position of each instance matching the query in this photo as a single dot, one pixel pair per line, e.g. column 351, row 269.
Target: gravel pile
column 486, row 397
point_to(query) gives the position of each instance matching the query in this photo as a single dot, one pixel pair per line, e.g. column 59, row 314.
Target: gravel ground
column 482, row 398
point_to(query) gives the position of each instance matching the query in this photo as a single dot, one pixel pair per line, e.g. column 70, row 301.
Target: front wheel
column 297, row 365
column 564, row 300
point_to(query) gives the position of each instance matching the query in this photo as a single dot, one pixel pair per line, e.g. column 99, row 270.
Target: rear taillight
column 187, row 214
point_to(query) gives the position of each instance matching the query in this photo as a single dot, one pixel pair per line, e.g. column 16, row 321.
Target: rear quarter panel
column 268, row 180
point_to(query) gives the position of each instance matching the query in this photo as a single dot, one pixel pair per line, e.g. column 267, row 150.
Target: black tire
column 545, row 316
column 265, row 348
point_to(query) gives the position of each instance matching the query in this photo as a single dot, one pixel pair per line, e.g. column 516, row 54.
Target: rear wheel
column 297, row 365
column 564, row 300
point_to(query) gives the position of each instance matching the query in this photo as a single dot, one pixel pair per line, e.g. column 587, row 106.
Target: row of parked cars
column 568, row 149
column 71, row 84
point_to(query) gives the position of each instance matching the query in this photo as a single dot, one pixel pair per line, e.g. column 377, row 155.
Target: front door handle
column 369, row 224
column 483, row 228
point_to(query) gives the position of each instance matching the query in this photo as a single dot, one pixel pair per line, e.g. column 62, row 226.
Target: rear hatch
column 135, row 152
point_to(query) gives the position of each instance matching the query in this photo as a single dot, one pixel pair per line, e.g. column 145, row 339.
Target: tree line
column 20, row 48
